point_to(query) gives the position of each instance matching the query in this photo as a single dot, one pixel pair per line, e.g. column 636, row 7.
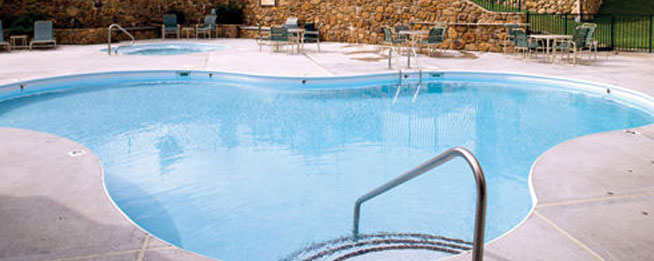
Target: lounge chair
column 169, row 25
column 435, row 37
column 524, row 44
column 577, row 44
column 2, row 39
column 43, row 35
column 208, row 26
column 312, row 34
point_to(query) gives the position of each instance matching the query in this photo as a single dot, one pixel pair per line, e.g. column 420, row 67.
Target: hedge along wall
column 337, row 17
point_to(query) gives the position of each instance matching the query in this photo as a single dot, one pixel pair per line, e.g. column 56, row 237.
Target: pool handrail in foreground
column 480, row 216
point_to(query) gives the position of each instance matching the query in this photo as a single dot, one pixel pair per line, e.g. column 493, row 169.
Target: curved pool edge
column 622, row 95
column 583, row 195
column 532, row 184
column 62, row 196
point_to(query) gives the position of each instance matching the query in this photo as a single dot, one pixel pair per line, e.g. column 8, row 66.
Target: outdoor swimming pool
column 167, row 48
column 244, row 167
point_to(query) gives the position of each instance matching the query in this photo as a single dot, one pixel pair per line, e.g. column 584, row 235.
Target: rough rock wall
column 361, row 20
column 562, row 6
column 85, row 14
column 341, row 20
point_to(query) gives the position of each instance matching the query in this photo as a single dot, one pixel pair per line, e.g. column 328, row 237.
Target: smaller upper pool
column 167, row 48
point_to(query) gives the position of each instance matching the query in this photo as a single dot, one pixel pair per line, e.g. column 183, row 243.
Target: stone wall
column 341, row 20
column 98, row 35
column 562, row 6
column 361, row 20
column 85, row 14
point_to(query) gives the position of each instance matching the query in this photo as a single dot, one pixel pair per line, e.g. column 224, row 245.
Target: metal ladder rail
column 415, row 95
column 480, row 214
column 111, row 27
column 399, row 70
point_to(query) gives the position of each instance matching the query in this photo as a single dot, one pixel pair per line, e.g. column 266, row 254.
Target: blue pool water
column 167, row 48
column 254, row 168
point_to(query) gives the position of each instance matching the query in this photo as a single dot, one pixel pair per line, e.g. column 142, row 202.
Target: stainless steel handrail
column 415, row 95
column 480, row 216
column 111, row 27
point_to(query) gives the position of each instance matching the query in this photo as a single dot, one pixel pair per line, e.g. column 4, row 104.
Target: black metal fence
column 501, row 5
column 614, row 32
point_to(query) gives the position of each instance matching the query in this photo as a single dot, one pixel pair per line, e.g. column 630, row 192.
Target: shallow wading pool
column 242, row 167
column 166, row 48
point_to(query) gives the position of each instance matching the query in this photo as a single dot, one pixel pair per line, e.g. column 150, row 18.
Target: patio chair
column 591, row 43
column 576, row 45
column 291, row 23
column 263, row 37
column 43, row 35
column 312, row 34
column 169, row 25
column 510, row 37
column 524, row 44
column 400, row 28
column 391, row 42
column 434, row 39
column 2, row 39
column 279, row 36
column 206, row 28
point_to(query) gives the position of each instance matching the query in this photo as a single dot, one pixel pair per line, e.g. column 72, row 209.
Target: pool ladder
column 400, row 75
column 480, row 214
column 111, row 27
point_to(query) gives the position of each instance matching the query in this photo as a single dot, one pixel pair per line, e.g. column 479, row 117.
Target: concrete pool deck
column 595, row 193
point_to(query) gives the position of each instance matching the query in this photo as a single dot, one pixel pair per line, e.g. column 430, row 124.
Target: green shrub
column 230, row 13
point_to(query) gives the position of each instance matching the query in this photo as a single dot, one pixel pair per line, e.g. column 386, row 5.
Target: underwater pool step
column 345, row 248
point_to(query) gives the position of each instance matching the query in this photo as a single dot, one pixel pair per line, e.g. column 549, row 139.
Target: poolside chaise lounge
column 169, row 25
column 206, row 28
column 43, row 35
column 2, row 39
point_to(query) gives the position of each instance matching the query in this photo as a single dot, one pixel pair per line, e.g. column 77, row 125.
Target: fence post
column 565, row 20
column 651, row 21
column 529, row 25
column 612, row 32
column 519, row 5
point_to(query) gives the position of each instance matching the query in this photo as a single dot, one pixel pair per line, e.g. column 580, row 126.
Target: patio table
column 415, row 35
column 550, row 38
column 299, row 40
